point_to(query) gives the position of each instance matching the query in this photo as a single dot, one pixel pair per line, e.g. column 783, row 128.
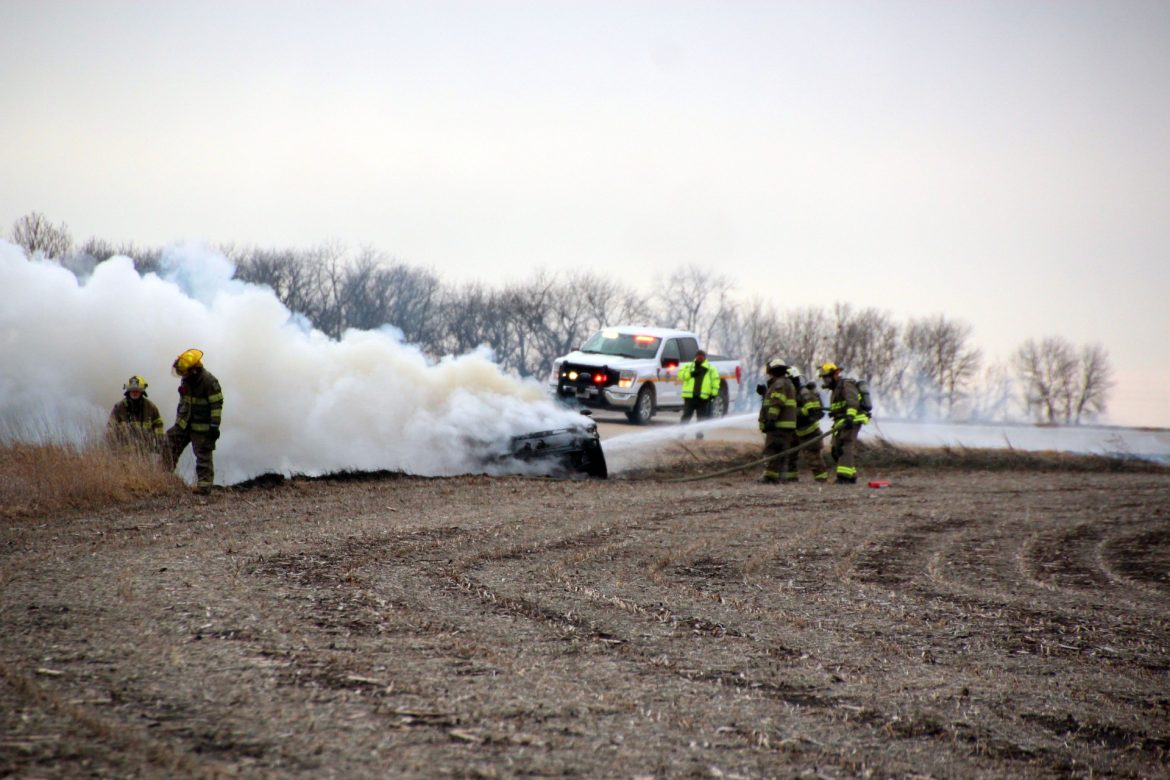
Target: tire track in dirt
column 984, row 740
column 910, row 565
column 985, row 566
column 155, row 754
column 477, row 628
column 1139, row 559
column 963, row 563
column 564, row 622
column 587, row 544
column 869, row 719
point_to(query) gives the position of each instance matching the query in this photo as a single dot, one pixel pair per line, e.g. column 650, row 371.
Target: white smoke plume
column 295, row 400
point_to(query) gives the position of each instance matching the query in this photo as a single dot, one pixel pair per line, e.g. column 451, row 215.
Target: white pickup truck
column 635, row 369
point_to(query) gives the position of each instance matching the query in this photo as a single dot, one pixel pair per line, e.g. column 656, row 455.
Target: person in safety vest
column 809, row 411
column 848, row 417
column 700, row 384
column 135, row 422
column 778, row 423
column 197, row 419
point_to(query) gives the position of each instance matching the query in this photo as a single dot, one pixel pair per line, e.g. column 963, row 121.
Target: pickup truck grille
column 574, row 377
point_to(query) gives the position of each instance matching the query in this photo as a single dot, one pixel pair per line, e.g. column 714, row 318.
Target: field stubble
column 961, row 623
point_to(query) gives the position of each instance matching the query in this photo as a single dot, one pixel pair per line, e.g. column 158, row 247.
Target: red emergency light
column 599, row 379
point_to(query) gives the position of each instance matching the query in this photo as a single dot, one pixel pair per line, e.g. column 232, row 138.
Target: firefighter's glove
column 765, row 426
column 846, row 423
column 760, row 390
column 213, row 433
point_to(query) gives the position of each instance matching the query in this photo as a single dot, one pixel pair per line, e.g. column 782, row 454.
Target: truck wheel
column 643, row 407
column 719, row 403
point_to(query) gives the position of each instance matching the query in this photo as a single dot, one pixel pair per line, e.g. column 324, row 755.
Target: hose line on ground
column 757, row 462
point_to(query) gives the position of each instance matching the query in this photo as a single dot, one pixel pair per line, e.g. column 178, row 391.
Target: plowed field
column 954, row 624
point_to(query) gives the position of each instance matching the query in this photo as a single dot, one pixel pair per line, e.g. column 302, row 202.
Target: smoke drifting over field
column 296, row 401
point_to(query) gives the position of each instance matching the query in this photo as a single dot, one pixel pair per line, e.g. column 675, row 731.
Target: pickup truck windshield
column 629, row 345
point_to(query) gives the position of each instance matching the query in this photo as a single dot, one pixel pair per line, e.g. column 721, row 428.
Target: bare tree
column 611, row 303
column 412, row 304
column 1048, row 369
column 731, row 333
column 880, row 360
column 848, row 337
column 473, row 316
column 694, row 299
column 328, row 272
column 576, row 308
column 362, row 293
column 35, row 234
column 804, row 335
column 865, row 344
column 529, row 336
column 761, row 329
column 996, row 396
column 943, row 363
column 1095, row 378
column 146, row 259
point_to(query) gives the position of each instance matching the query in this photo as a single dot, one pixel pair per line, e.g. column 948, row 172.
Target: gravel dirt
column 953, row 624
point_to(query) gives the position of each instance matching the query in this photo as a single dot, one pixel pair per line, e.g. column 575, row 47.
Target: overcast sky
column 1004, row 163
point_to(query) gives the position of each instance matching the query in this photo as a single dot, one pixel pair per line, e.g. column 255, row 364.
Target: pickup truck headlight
column 626, row 379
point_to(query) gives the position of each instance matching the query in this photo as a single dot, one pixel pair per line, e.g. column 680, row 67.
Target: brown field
column 977, row 618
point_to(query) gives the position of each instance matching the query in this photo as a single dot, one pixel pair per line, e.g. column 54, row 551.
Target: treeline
column 919, row 368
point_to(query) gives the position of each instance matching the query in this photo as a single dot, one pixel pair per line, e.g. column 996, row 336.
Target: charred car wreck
column 572, row 452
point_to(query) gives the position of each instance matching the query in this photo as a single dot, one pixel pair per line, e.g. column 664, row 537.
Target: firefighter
column 135, row 422
column 778, row 423
column 700, row 384
column 809, row 411
column 848, row 417
column 197, row 419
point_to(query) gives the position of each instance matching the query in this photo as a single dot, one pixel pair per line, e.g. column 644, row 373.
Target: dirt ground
column 953, row 624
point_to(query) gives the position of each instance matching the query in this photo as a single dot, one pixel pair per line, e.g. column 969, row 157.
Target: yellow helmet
column 829, row 368
column 188, row 360
column 135, row 383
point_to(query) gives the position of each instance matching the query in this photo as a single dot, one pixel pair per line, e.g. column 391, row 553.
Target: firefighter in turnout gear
column 778, row 423
column 848, row 417
column 197, row 419
column 809, row 411
column 700, row 384
column 135, row 422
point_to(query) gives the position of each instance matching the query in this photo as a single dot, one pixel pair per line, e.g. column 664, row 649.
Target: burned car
column 573, row 451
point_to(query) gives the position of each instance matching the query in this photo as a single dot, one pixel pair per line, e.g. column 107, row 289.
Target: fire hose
column 758, row 461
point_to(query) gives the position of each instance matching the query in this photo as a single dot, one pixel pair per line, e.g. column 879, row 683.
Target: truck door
column 669, row 389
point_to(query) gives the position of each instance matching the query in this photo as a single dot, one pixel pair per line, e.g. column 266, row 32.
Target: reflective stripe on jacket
column 710, row 380
column 845, row 400
column 144, row 415
column 778, row 410
column 200, row 401
column 809, row 410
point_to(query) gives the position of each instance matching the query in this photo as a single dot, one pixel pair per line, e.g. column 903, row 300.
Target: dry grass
column 709, row 457
column 879, row 452
column 40, row 479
